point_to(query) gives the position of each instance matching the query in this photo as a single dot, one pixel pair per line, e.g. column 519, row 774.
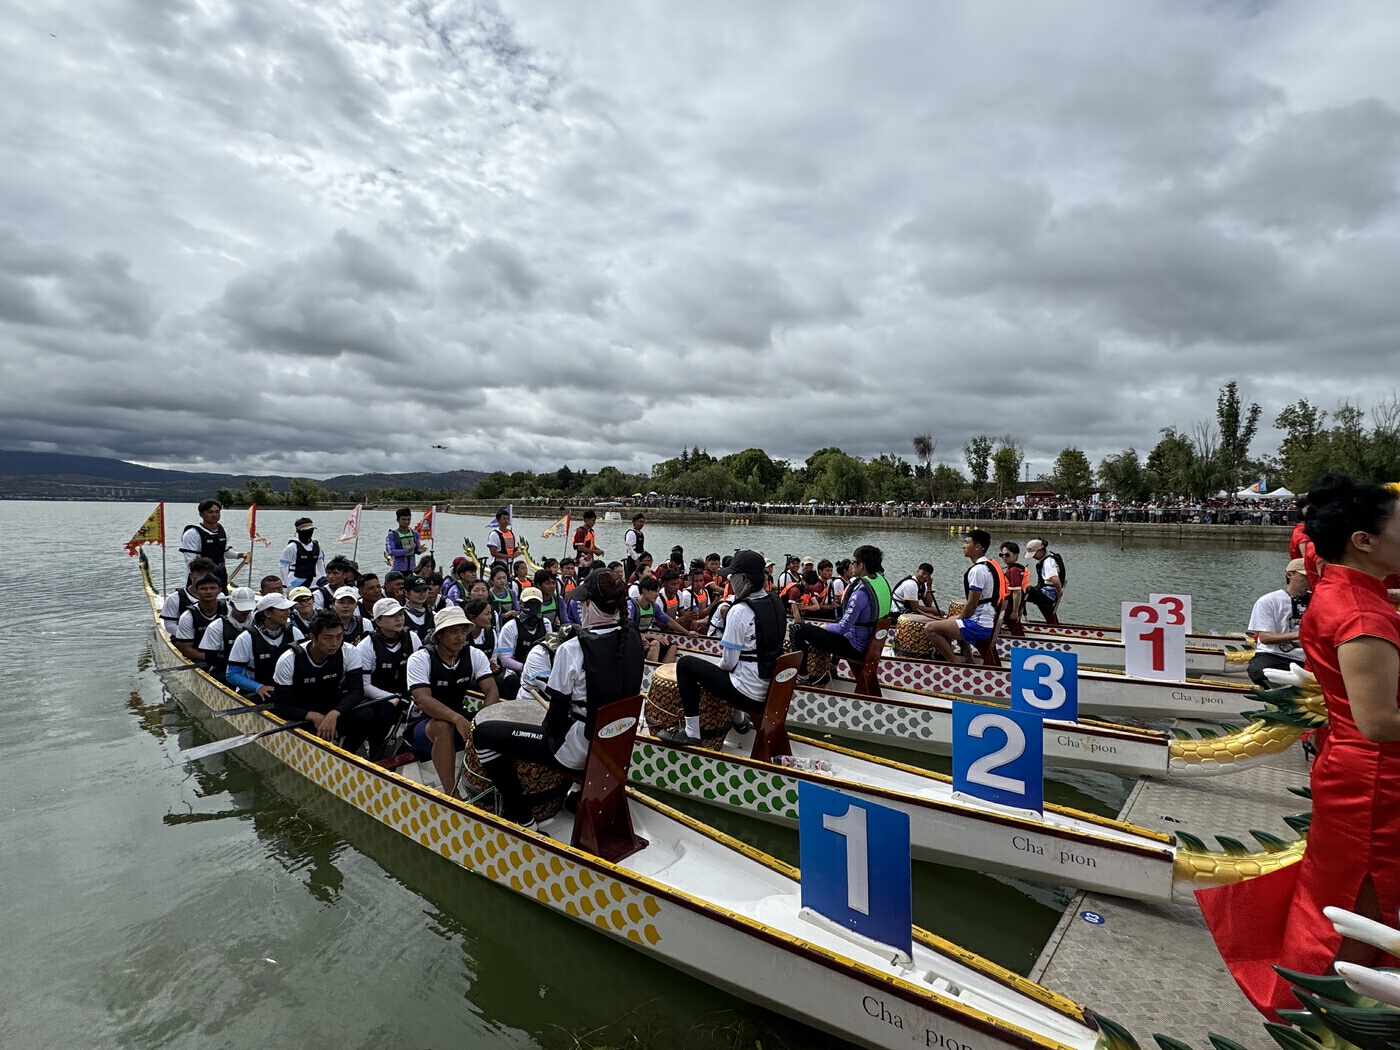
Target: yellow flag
column 153, row 531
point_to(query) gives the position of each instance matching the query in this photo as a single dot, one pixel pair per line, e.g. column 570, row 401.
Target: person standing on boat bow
column 402, row 543
column 319, row 681
column 601, row 663
column 1049, row 588
column 635, row 541
column 752, row 643
column 585, row 542
column 500, row 540
column 207, row 539
column 439, row 677
column 867, row 601
column 302, row 562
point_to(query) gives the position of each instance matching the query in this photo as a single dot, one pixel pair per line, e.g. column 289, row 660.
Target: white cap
column 345, row 592
column 386, row 607
column 275, row 600
column 243, row 599
column 452, row 616
column 531, row 594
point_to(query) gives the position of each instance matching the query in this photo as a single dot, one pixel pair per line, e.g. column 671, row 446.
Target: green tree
column 925, row 445
column 1124, row 476
column 978, row 453
column 1073, row 476
column 494, row 486
column 1207, row 472
column 305, row 493
column 744, row 464
column 228, row 498
column 1169, row 463
column 840, row 478
column 260, row 492
column 1237, row 427
column 1006, row 464
column 949, row 483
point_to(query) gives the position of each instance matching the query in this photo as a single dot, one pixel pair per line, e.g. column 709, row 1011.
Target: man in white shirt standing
column 1274, row 624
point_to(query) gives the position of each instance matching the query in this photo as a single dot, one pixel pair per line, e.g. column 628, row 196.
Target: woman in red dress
column 1351, row 635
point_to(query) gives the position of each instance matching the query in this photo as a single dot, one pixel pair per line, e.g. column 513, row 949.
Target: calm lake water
column 232, row 905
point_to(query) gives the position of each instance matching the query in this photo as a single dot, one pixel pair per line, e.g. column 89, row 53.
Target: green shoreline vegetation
column 1194, row 464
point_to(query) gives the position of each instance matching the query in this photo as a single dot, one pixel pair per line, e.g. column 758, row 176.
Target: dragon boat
column 1228, row 642
column 1272, row 720
column 678, row 891
column 1102, row 691
column 1059, row 845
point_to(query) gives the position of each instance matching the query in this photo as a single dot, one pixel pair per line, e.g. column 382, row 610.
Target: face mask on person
column 305, row 535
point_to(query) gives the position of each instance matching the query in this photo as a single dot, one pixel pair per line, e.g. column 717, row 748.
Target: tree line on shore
column 1196, row 462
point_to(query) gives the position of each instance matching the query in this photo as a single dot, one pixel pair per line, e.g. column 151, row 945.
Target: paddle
column 255, row 709
column 218, row 747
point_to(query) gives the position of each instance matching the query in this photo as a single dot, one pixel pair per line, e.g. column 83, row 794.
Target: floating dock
column 1154, row 967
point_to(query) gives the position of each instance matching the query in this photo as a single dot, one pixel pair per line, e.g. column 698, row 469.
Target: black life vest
column 639, row 544
column 231, row 629
column 486, row 642
column 986, row 599
column 266, row 652
column 327, row 596
column 202, row 622
column 211, row 545
column 355, row 631
column 390, row 664
column 1059, row 560
column 917, row 585
column 307, row 558
column 318, row 687
column 770, row 623
column 450, row 685
column 612, row 668
column 525, row 640
column 420, row 624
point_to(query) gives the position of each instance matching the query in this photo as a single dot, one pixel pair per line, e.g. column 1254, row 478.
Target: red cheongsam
column 1355, row 832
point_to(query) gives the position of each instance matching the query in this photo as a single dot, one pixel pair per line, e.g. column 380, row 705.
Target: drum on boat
column 545, row 787
column 956, row 607
column 910, row 638
column 818, row 662
column 664, row 711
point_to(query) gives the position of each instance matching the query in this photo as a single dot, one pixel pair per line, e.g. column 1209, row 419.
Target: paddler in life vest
column 195, row 620
column 914, row 594
column 516, row 638
column 650, row 618
column 585, row 543
column 319, row 681
column 384, row 657
column 983, row 587
column 346, row 606
column 217, row 640
column 752, row 643
column 252, row 661
column 634, row 540
column 867, row 601
column 402, row 543
column 500, row 541
column 302, row 562
column 177, row 602
column 439, row 677
column 601, row 663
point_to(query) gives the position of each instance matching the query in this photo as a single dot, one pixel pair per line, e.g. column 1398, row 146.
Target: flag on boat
column 559, row 528
column 510, row 514
column 153, row 531
column 425, row 527
column 253, row 527
column 352, row 526
column 1261, row 486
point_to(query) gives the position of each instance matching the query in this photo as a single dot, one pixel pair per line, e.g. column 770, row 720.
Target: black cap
column 415, row 583
column 391, row 576
column 745, row 563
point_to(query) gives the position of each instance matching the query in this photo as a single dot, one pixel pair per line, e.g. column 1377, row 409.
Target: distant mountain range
column 52, row 475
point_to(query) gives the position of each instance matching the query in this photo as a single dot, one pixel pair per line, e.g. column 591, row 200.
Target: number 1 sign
column 855, row 864
column 1152, row 646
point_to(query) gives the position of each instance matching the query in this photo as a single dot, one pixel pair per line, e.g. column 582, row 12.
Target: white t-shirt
column 906, row 591
column 170, row 611
column 184, row 630
column 286, row 663
column 568, row 678
column 369, row 661
column 241, row 655
column 1273, row 613
column 420, row 666
column 1049, row 566
column 629, row 540
column 539, row 663
column 740, row 634
column 980, row 579
column 718, row 617
column 213, row 640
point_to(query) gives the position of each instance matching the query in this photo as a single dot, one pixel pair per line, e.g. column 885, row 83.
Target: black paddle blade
column 1369, row 1029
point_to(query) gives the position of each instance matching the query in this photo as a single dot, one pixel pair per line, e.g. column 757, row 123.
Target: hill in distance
column 53, row 475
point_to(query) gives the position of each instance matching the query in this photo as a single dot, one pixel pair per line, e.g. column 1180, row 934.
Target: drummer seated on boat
column 319, row 681
column 195, row 620
column 439, row 677
column 252, row 662
column 601, row 663
column 752, row 643
column 177, row 602
column 1275, row 621
column 867, row 600
column 982, row 588
column 914, row 594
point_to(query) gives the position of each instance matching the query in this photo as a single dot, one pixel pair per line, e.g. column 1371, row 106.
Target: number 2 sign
column 999, row 755
column 1153, row 647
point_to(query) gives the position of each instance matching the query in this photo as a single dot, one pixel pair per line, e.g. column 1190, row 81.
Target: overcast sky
column 275, row 236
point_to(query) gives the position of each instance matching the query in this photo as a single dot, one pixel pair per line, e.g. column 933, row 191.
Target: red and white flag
column 352, row 526
column 425, row 527
column 253, row 527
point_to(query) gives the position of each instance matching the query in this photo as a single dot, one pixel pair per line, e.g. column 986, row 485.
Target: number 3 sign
column 1045, row 683
column 1176, row 609
column 999, row 755
column 1153, row 646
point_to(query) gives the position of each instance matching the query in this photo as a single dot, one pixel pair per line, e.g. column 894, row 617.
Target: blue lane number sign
column 1045, row 683
column 1093, row 918
column 998, row 756
column 855, row 864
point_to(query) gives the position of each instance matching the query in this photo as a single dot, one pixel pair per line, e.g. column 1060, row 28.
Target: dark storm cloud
column 293, row 237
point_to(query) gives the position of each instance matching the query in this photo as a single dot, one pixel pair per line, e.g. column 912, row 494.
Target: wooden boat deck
column 1153, row 967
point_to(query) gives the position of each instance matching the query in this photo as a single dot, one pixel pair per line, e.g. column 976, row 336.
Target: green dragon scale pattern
column 766, row 791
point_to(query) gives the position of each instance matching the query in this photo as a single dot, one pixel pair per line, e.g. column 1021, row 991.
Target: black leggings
column 498, row 745
column 1260, row 662
column 807, row 636
column 693, row 673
